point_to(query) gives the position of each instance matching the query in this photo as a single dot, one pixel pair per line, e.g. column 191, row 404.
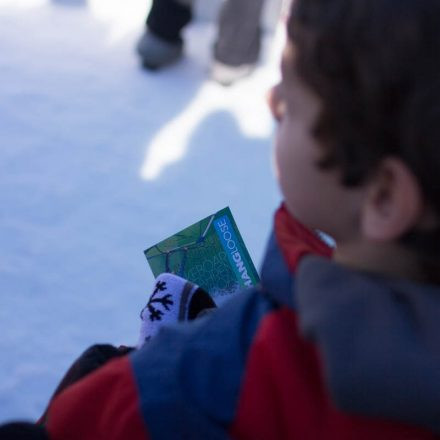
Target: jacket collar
column 379, row 339
column 275, row 276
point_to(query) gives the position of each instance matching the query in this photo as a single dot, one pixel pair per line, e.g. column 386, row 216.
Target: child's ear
column 393, row 203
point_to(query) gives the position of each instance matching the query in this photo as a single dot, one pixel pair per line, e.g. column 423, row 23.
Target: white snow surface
column 98, row 161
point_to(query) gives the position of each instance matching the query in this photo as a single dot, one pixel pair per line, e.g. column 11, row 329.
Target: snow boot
column 226, row 75
column 155, row 52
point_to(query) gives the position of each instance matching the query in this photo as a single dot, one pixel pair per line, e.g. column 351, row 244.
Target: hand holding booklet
column 210, row 253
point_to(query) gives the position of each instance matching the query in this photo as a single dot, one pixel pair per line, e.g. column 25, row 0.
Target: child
column 342, row 348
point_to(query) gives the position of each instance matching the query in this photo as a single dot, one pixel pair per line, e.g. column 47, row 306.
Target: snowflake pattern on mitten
column 165, row 301
column 168, row 304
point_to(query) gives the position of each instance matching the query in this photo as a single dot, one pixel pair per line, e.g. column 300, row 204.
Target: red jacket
column 254, row 369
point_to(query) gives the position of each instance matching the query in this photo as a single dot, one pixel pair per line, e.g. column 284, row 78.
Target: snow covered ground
column 99, row 160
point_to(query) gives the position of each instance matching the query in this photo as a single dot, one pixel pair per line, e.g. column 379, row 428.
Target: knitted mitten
column 173, row 299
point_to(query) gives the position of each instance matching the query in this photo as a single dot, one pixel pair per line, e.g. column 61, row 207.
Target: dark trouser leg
column 239, row 34
column 167, row 18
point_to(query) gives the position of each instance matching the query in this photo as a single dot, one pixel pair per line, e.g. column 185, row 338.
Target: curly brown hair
column 376, row 66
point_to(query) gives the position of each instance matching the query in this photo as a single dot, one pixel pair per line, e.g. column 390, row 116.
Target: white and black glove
column 173, row 299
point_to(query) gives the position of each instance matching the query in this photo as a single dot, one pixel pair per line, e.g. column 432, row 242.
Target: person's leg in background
column 237, row 48
column 238, row 43
column 162, row 44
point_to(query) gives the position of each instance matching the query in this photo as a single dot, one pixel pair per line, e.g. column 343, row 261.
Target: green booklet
column 210, row 253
